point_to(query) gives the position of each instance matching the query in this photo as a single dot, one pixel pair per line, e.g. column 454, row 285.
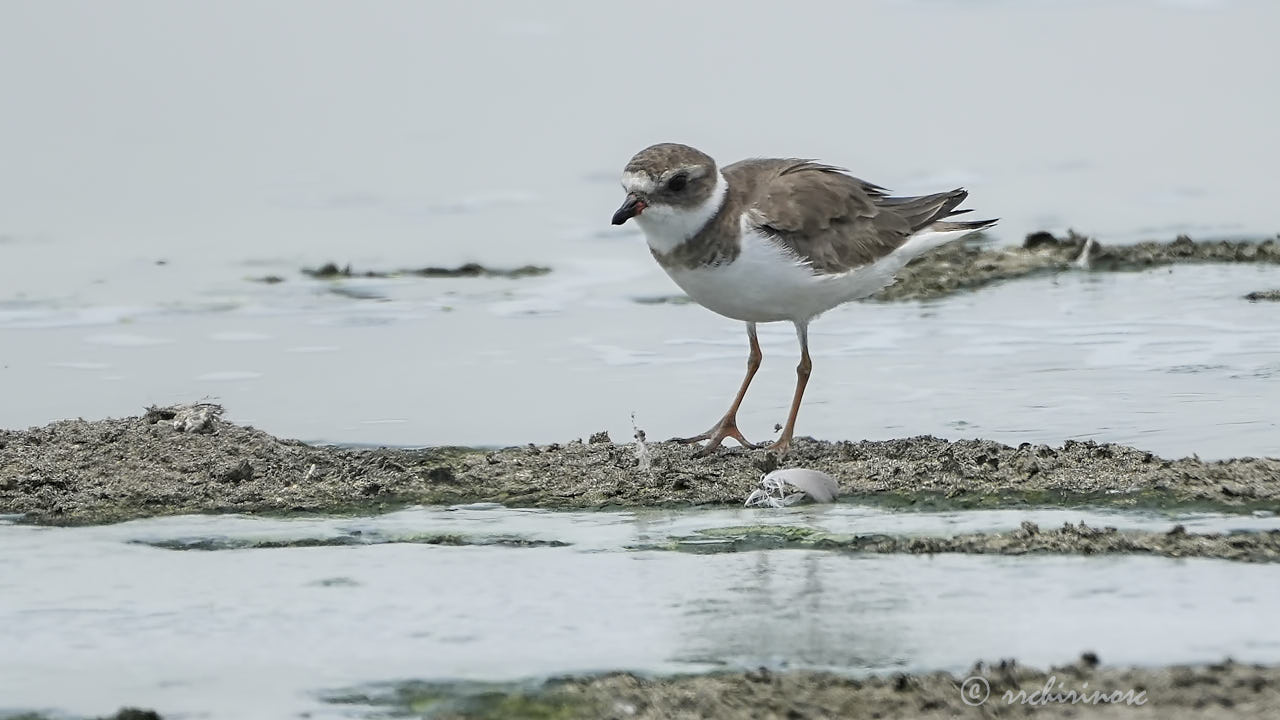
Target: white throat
column 667, row 227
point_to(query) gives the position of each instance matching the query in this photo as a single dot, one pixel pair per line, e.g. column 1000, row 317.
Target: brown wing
column 831, row 219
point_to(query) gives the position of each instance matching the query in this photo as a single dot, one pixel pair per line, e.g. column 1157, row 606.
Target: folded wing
column 832, row 220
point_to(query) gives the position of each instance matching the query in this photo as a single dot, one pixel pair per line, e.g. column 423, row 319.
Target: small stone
column 241, row 472
column 198, row 419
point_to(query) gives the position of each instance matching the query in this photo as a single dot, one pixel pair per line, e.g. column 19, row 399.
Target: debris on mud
column 184, row 459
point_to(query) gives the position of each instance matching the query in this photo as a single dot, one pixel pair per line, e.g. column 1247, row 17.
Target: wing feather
column 829, row 218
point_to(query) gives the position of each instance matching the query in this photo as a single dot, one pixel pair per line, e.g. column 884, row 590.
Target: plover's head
column 672, row 191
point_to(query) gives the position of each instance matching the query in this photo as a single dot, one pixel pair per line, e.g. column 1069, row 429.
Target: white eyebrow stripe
column 637, row 182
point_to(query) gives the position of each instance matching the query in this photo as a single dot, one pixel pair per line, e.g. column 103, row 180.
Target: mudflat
column 1004, row 689
column 188, row 459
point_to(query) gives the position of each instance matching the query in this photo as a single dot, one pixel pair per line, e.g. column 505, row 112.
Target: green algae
column 472, row 700
column 346, row 540
column 1028, row 539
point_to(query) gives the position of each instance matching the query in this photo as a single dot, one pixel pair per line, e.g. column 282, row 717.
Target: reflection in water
column 79, row 599
column 813, row 610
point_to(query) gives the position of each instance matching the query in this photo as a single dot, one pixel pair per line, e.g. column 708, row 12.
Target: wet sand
column 1029, row 539
column 188, row 459
column 1223, row 690
column 1219, row 691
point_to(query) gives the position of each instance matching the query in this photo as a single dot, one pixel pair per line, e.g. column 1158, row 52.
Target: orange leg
column 727, row 427
column 783, row 444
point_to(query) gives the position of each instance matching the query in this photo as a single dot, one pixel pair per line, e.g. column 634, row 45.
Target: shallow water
column 92, row 617
column 1170, row 360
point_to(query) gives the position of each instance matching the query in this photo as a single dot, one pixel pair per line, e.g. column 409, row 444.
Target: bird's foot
column 781, row 446
column 726, row 428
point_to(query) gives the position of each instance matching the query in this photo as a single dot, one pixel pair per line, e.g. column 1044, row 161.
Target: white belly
column 766, row 283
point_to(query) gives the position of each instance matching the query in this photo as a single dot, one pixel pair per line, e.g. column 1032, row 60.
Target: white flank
column 666, row 227
column 768, row 283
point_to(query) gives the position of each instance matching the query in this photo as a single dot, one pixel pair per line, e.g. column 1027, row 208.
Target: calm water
column 91, row 618
column 1173, row 361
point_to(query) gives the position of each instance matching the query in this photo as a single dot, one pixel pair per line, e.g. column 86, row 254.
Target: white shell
column 788, row 486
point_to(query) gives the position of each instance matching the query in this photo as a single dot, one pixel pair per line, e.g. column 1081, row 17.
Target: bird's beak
column 631, row 208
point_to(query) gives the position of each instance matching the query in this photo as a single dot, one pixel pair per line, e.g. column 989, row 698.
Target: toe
column 690, row 440
column 709, row 448
column 780, row 447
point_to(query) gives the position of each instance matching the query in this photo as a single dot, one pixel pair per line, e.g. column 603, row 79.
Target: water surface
column 92, row 618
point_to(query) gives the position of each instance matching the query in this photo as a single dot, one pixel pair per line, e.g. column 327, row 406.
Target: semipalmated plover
column 767, row 240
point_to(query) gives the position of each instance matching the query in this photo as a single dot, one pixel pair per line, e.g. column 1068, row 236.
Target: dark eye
column 677, row 182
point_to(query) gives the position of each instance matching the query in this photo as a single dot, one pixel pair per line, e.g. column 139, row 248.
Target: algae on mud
column 1029, row 539
column 1006, row 689
column 968, row 266
column 346, row 540
column 169, row 462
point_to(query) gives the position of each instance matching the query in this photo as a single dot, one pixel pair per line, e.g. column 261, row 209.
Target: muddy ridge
column 1029, row 539
column 968, row 266
column 332, row 271
column 1005, row 689
column 189, row 459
